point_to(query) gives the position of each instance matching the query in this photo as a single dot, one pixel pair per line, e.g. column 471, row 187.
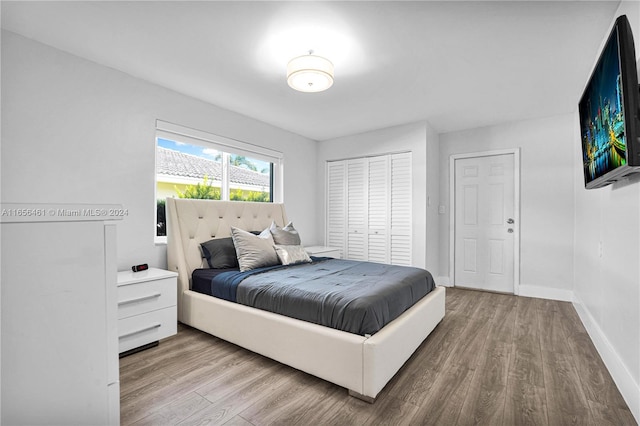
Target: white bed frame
column 361, row 364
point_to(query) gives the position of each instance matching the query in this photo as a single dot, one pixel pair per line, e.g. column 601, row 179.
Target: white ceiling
column 458, row 65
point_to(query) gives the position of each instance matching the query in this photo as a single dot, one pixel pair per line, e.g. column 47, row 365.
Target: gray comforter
column 357, row 297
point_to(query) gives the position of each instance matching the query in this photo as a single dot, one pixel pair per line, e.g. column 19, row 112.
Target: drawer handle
column 142, row 330
column 138, row 299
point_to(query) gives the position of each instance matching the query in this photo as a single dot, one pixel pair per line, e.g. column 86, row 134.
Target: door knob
column 510, row 230
column 509, row 221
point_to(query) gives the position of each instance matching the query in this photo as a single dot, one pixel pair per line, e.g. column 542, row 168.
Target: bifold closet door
column 357, row 194
column 369, row 208
column 400, row 228
column 336, row 206
column 378, row 209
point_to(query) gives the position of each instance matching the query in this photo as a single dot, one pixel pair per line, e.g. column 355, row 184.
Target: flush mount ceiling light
column 310, row 73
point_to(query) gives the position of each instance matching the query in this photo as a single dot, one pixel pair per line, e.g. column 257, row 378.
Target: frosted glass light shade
column 310, row 73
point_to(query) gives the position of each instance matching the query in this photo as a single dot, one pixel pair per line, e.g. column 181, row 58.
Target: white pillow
column 287, row 236
column 290, row 255
column 253, row 251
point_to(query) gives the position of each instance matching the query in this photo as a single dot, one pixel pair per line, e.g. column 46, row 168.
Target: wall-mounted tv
column 609, row 122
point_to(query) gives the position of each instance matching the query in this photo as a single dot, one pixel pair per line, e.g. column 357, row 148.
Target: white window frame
column 178, row 133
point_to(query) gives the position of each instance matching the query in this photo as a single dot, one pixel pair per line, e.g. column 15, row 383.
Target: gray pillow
column 220, row 253
column 287, row 236
column 253, row 251
column 290, row 255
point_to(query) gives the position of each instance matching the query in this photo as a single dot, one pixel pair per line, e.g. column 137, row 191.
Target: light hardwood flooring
column 494, row 360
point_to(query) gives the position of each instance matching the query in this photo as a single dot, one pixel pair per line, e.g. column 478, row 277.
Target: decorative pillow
column 290, row 255
column 220, row 253
column 264, row 232
column 287, row 236
column 253, row 251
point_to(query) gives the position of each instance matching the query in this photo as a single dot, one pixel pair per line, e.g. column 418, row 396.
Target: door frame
column 516, row 210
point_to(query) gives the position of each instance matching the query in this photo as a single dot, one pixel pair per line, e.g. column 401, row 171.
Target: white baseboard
column 443, row 281
column 526, row 291
column 629, row 389
column 545, row 292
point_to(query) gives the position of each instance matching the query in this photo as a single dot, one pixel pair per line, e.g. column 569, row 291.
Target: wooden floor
column 494, row 360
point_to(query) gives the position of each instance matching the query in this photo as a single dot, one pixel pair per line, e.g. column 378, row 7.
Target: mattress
column 357, row 297
column 201, row 279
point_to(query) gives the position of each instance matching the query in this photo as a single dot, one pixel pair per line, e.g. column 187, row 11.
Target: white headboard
column 192, row 222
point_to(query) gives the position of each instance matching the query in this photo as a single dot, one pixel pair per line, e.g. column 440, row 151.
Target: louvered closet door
column 378, row 211
column 336, row 205
column 357, row 209
column 400, row 240
column 369, row 208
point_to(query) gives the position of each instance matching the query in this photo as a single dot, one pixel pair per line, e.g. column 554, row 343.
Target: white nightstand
column 322, row 251
column 147, row 308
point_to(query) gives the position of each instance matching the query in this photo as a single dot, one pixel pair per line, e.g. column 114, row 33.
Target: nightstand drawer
column 150, row 327
column 322, row 251
column 138, row 298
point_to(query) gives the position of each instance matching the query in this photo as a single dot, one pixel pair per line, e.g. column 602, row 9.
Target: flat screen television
column 608, row 109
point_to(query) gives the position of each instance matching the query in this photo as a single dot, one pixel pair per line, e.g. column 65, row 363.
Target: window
column 194, row 164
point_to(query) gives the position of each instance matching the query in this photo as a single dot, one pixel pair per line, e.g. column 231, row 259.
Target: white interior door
column 484, row 228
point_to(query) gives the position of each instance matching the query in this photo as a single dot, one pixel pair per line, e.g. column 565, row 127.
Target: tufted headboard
column 192, row 222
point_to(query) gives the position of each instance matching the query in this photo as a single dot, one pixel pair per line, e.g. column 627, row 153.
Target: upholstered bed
column 362, row 364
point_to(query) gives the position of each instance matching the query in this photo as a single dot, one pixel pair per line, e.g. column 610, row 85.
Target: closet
column 369, row 208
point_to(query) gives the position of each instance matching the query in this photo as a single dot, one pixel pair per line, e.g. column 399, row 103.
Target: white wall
column 433, row 201
column 422, row 141
column 546, row 197
column 78, row 132
column 607, row 287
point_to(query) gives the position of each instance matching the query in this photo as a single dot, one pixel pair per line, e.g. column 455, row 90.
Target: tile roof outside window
column 175, row 163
